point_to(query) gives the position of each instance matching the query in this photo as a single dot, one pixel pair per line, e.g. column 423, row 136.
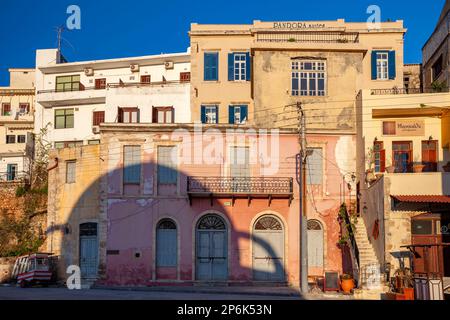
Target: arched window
column 166, row 244
column 211, row 222
column 314, row 225
column 268, row 223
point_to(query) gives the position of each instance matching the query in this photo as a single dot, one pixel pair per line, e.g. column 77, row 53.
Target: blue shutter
column 217, row 114
column 214, row 66
column 203, row 114
column 247, row 66
column 392, row 72
column 206, row 67
column 166, row 247
column 231, row 114
column 374, row 65
column 230, row 67
column 244, row 113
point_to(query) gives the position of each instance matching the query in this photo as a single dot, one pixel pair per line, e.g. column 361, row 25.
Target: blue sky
column 112, row 29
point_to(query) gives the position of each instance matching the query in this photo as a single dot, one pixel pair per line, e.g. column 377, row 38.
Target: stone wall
column 6, row 267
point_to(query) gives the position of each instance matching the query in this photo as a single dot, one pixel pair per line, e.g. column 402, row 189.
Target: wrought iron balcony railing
column 14, row 176
column 377, row 92
column 240, row 185
column 308, row 36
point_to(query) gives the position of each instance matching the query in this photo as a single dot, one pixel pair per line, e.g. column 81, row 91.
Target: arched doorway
column 166, row 245
column 315, row 246
column 268, row 249
column 88, row 250
column 211, row 248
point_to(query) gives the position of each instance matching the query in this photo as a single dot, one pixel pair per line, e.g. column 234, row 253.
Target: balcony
column 418, row 183
column 76, row 95
column 240, row 187
column 308, row 37
column 14, row 177
column 380, row 92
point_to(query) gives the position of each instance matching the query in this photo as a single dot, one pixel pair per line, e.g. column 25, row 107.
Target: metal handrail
column 145, row 84
column 308, row 36
column 408, row 91
column 260, row 185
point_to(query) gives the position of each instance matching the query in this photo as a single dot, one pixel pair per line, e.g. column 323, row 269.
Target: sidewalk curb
column 198, row 290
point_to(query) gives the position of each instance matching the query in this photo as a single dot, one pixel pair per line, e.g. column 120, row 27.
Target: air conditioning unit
column 168, row 64
column 96, row 129
column 134, row 67
column 89, row 71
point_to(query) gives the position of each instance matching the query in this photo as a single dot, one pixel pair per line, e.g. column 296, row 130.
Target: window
column 421, row 227
column 211, row 66
column 237, row 114
column 185, row 76
column 146, row 79
column 167, row 165
column 67, row 144
column 68, row 83
column 6, row 109
column 314, row 166
column 70, row 171
column 11, row 171
column 383, row 65
column 163, row 115
column 21, row 138
column 209, row 114
column 379, row 156
column 308, row 78
column 24, row 108
column 166, row 244
column 131, row 164
column 402, row 155
column 98, row 117
column 100, row 83
column 128, row 115
column 240, row 162
column 389, row 128
column 64, row 118
column 429, row 155
column 10, row 138
column 239, row 66
column 436, row 69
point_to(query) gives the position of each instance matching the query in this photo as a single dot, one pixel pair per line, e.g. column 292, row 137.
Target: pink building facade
column 186, row 204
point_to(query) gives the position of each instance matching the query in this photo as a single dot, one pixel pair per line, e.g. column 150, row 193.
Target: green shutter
column 203, row 114
column 247, row 66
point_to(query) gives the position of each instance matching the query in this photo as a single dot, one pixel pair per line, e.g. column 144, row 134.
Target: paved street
column 15, row 293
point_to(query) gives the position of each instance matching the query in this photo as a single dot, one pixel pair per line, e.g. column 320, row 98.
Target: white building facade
column 72, row 99
column 16, row 125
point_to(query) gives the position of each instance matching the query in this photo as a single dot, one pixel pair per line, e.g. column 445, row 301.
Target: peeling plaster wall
column 273, row 90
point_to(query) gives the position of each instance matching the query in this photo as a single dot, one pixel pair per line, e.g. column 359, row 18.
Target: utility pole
column 301, row 180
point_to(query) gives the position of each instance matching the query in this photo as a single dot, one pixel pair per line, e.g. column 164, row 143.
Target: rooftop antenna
column 59, row 31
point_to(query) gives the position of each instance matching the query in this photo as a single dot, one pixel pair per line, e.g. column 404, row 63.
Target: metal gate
column 268, row 250
column 212, row 257
column 88, row 250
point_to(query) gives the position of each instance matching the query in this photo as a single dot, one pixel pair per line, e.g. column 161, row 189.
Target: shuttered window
column 131, row 164
column 211, row 66
column 383, row 65
column 314, row 167
column 167, row 165
column 237, row 114
column 6, row 109
column 70, row 171
column 166, row 244
column 98, row 117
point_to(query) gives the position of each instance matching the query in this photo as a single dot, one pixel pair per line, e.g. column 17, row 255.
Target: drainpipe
column 54, row 165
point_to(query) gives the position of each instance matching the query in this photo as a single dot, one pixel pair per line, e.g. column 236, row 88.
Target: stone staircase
column 371, row 278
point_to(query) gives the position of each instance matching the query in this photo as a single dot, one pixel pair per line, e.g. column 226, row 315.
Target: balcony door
column 240, row 169
column 429, row 155
column 11, row 171
column 402, row 155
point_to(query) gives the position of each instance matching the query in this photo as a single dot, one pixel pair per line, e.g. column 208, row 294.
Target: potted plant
column 446, row 167
column 418, row 167
column 347, row 283
column 390, row 169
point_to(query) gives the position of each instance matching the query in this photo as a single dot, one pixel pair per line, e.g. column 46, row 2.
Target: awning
column 423, row 198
